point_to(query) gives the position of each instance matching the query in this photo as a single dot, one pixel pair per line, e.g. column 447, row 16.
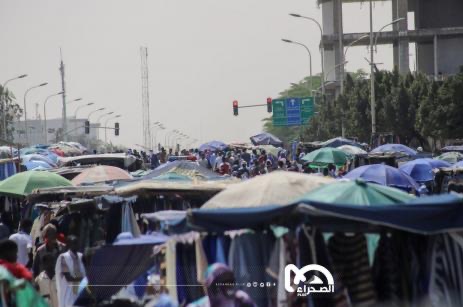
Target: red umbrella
column 101, row 173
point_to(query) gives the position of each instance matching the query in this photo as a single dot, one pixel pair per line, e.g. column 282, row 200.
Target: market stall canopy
column 120, row 160
column 185, row 168
column 70, row 191
column 24, row 183
column 266, row 138
column 213, row 146
column 324, row 156
column 190, row 187
column 394, row 148
column 357, row 192
column 352, row 150
column 131, row 257
column 384, row 175
column 339, row 141
column 451, row 157
column 276, row 188
column 428, row 215
column 101, row 173
column 420, row 169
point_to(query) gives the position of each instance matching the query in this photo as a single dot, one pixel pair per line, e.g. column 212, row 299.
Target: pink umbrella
column 101, row 173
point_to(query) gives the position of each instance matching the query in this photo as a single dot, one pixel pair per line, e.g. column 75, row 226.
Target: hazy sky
column 202, row 55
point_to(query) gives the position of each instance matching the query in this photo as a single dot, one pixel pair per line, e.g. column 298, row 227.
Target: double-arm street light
column 310, row 57
column 322, row 48
column 4, row 101
column 25, row 108
column 45, row 116
column 98, row 121
column 157, row 126
column 93, row 112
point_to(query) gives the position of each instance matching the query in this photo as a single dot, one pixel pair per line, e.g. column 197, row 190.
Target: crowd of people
column 51, row 262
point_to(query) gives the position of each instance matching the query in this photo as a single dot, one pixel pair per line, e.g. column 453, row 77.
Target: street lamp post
column 98, row 121
column 310, row 58
column 322, row 47
column 106, row 125
column 88, row 119
column 25, row 109
column 157, row 126
column 4, row 104
column 383, row 27
column 45, row 116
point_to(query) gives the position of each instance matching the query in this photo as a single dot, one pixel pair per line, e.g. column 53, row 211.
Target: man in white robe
column 69, row 273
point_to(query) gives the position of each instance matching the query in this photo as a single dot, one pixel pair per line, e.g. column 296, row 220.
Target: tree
column 11, row 109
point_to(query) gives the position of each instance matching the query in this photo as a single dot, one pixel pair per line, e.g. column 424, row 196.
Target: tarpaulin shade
column 429, row 215
column 277, row 188
column 357, row 192
column 213, row 146
column 266, row 138
column 394, row 148
column 116, row 265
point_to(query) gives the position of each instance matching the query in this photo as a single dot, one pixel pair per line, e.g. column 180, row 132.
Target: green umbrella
column 24, row 183
column 451, row 157
column 357, row 192
column 325, row 156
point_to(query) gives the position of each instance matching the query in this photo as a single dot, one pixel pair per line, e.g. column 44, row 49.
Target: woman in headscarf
column 221, row 291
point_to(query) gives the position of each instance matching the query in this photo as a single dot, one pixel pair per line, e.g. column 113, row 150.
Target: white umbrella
column 277, row 188
column 352, row 150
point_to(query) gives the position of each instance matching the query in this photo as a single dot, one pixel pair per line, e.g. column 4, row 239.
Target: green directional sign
column 279, row 112
column 307, row 109
column 292, row 111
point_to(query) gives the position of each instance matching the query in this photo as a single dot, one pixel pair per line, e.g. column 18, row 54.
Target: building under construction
column 438, row 36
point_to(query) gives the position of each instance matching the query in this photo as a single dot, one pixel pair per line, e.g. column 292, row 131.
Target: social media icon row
column 261, row 285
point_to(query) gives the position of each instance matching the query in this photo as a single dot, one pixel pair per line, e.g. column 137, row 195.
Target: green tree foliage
column 411, row 106
column 12, row 110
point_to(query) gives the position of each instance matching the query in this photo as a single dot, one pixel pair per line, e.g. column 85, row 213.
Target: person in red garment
column 8, row 259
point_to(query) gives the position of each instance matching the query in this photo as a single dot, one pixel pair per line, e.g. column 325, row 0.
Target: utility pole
column 145, row 98
column 63, row 89
column 372, row 76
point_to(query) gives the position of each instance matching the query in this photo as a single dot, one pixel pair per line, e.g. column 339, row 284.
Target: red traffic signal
column 269, row 105
column 235, row 107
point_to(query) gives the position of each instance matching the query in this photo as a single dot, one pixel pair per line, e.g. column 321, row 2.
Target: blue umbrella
column 384, row 175
column 213, row 146
column 266, row 138
column 394, row 148
column 419, row 169
column 458, row 164
column 437, row 163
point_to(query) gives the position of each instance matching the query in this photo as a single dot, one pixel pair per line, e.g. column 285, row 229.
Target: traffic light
column 87, row 127
column 116, row 129
column 235, row 107
column 269, row 105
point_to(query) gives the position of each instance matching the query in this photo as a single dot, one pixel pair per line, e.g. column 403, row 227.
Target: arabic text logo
column 305, row 286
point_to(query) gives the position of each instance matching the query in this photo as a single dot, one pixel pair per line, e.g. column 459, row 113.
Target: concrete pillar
column 328, row 23
column 401, row 47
